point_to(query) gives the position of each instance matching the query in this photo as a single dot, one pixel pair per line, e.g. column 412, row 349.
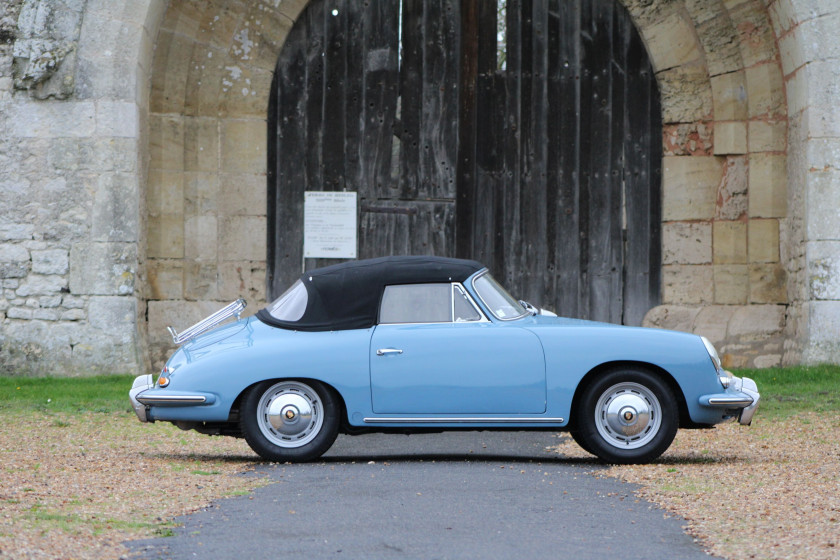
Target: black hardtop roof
column 347, row 295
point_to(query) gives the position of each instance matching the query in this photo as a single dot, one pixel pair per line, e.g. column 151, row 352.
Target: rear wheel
column 290, row 420
column 628, row 415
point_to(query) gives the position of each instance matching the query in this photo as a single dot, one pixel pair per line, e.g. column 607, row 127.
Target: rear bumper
column 741, row 397
column 141, row 383
column 143, row 396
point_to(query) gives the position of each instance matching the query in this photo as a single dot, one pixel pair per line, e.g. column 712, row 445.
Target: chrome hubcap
column 290, row 414
column 628, row 415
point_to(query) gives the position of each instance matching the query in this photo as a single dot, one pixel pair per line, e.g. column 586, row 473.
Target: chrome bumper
column 742, row 394
column 141, row 383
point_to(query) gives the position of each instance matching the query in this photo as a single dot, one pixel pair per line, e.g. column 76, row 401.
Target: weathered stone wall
column 70, row 225
column 132, row 163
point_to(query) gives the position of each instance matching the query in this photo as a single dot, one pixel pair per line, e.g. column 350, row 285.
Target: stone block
column 50, row 261
column 729, row 242
column 768, row 283
column 732, row 199
column 767, row 136
column 768, row 185
column 671, row 317
column 10, row 231
column 672, row 42
column 242, row 238
column 718, row 37
column 200, row 238
column 822, row 345
column 247, row 96
column 103, row 268
column 13, row 254
column 201, row 145
column 115, row 216
column 690, row 187
column 68, row 119
column 165, row 279
column 201, row 281
column 165, row 192
column 243, row 194
column 763, row 241
column 117, row 118
column 824, row 270
column 166, row 143
column 685, row 93
column 729, row 94
column 730, row 138
column 757, row 322
column 41, row 285
column 822, row 185
column 687, row 284
column 205, row 80
column 766, row 90
column 243, row 146
column 243, row 279
column 757, row 42
column 687, row 243
column 201, row 193
column 712, row 322
column 732, row 284
column 165, row 236
column 112, row 313
column 173, row 57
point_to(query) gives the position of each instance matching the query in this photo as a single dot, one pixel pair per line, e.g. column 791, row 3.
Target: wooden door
column 524, row 134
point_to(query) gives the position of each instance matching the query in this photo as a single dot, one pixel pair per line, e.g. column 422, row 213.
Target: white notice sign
column 329, row 225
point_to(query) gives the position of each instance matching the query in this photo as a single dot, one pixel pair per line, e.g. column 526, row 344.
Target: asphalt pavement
column 457, row 495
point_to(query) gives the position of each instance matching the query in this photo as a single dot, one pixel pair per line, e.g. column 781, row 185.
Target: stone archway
column 727, row 235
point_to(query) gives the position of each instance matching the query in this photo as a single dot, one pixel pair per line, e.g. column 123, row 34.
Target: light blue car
column 420, row 344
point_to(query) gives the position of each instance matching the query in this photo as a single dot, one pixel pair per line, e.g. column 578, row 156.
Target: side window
column 416, row 303
column 461, row 306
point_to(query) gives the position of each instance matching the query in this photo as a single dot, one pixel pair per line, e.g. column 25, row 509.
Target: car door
column 434, row 352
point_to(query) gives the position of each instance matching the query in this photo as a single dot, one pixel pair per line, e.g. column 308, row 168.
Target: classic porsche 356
column 419, row 344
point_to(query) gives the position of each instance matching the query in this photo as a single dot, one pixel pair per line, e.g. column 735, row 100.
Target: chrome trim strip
column 730, row 401
column 169, row 399
column 229, row 310
column 462, row 420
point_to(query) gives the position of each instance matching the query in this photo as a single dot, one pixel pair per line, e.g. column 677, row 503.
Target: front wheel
column 289, row 420
column 627, row 416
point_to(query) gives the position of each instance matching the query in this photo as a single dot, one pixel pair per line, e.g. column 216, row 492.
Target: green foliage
column 106, row 394
column 791, row 390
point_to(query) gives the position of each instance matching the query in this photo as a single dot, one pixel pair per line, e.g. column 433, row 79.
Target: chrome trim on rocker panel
column 160, row 399
column 462, row 420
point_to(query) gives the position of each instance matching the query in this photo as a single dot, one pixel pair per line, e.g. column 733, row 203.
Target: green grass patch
column 792, row 390
column 107, row 394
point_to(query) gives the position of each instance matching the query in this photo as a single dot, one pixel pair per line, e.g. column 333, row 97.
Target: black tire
column 580, row 441
column 289, row 420
column 626, row 416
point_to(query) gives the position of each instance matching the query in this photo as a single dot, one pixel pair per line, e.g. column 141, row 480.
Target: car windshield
column 498, row 301
column 291, row 305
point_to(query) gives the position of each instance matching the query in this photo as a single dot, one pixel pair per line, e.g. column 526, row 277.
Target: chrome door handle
column 383, row 351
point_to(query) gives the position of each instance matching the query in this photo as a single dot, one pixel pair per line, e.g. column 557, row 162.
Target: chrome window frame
column 452, row 287
column 490, row 309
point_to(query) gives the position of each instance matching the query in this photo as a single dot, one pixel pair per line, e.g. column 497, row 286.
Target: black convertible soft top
column 346, row 296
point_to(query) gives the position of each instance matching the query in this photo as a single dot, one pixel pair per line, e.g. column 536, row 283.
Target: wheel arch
column 684, row 418
column 237, row 402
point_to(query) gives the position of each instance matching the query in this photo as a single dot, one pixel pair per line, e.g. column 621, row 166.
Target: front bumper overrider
column 741, row 397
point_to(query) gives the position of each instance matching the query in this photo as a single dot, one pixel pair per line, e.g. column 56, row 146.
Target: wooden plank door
column 525, row 134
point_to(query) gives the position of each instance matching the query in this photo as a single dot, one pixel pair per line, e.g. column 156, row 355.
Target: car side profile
column 419, row 344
